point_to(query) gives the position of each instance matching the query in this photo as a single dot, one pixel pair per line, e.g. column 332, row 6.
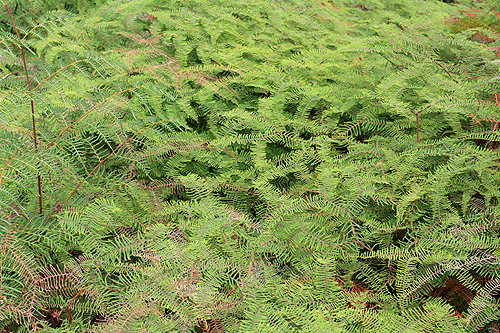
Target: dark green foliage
column 215, row 166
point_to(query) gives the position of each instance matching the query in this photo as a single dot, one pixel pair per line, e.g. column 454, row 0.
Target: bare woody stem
column 32, row 105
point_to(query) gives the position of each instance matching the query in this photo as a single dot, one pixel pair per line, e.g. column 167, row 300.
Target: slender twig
column 32, row 105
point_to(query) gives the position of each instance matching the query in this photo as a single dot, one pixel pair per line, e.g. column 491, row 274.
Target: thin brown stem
column 39, row 181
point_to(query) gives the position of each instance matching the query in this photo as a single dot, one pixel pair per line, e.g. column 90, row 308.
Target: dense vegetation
column 235, row 166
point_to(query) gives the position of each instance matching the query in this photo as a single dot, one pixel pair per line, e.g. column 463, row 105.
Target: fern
column 230, row 167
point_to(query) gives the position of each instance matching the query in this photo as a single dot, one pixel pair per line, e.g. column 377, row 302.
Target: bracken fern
column 234, row 167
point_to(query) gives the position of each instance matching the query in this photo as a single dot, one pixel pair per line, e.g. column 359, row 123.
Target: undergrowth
column 292, row 166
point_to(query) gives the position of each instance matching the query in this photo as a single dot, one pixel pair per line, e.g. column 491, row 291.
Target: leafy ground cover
column 226, row 166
